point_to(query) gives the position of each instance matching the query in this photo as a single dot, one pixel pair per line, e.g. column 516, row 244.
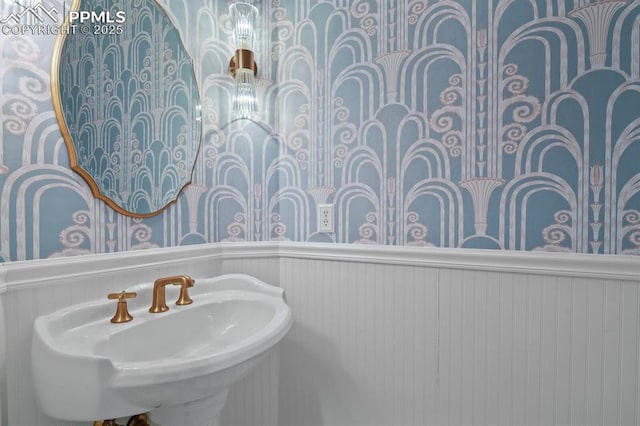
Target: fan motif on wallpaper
column 498, row 124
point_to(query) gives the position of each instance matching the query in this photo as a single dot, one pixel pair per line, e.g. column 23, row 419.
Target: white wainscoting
column 391, row 335
column 38, row 287
column 3, row 346
column 409, row 336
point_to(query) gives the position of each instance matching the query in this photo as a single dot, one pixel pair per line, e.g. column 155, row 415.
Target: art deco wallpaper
column 511, row 124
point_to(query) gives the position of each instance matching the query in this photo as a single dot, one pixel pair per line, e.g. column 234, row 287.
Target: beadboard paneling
column 3, row 346
column 253, row 401
column 391, row 335
column 376, row 344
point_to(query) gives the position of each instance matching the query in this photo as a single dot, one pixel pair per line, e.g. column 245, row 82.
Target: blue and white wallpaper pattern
column 503, row 124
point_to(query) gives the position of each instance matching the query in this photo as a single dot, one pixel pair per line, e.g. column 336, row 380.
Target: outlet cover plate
column 325, row 218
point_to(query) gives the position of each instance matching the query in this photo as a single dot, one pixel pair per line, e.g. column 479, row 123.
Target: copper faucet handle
column 122, row 313
column 184, row 284
column 122, row 296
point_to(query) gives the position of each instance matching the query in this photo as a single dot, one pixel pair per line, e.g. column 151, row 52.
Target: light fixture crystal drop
column 244, row 20
column 245, row 102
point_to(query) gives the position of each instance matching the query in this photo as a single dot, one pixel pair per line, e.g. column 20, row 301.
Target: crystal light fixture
column 244, row 20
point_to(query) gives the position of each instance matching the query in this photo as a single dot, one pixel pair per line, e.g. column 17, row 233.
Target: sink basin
column 85, row 368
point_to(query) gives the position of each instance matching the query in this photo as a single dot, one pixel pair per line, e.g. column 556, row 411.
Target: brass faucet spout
column 159, row 303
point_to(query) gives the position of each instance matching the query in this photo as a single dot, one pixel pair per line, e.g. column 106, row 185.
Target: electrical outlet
column 325, row 218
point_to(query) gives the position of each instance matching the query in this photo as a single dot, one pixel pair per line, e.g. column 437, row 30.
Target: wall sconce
column 244, row 20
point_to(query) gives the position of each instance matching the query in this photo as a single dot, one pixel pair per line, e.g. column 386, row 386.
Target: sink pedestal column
column 203, row 412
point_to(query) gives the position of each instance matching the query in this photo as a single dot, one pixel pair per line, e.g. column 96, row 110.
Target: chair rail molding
column 37, row 272
column 15, row 275
column 579, row 265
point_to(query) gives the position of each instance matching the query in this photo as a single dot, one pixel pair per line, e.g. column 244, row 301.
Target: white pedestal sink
column 176, row 365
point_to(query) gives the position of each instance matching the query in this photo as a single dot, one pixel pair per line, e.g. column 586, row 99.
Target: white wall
column 377, row 344
column 3, row 346
column 254, row 400
column 393, row 335
column 401, row 336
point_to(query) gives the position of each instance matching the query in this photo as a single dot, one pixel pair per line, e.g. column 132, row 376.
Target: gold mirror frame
column 67, row 134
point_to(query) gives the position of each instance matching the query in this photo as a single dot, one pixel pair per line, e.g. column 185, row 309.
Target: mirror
column 127, row 102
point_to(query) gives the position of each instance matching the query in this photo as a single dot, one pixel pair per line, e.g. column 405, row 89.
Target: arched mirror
column 126, row 98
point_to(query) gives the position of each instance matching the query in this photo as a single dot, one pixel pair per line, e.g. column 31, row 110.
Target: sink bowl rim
column 143, row 373
column 140, row 373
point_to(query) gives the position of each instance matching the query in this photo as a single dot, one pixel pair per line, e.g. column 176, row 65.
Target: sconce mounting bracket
column 242, row 59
